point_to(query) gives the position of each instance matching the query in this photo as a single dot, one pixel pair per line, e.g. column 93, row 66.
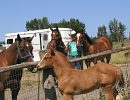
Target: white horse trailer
column 40, row 40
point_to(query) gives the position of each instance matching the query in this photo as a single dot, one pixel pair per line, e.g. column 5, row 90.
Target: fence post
column 48, row 82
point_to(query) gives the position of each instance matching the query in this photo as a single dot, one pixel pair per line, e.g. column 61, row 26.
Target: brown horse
column 73, row 82
column 56, row 41
column 18, row 52
column 89, row 47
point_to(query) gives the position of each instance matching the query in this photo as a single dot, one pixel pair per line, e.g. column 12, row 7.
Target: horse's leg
column 108, row 92
column 15, row 90
column 108, row 58
column 95, row 60
column 102, row 58
column 87, row 62
column 81, row 62
column 67, row 97
column 2, row 95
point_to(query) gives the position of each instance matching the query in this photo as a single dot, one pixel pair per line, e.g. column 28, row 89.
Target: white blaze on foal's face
column 46, row 61
column 42, row 61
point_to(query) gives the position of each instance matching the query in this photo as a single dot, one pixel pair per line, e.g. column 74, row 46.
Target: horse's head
column 25, row 49
column 80, row 38
column 47, row 60
column 55, row 35
column 29, row 40
column 83, row 38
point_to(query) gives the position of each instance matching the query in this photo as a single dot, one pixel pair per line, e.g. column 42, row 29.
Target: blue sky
column 94, row 13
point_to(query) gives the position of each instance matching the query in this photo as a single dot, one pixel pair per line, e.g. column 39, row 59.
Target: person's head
column 73, row 34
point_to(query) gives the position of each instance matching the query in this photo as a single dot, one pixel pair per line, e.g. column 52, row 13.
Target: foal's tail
column 121, row 79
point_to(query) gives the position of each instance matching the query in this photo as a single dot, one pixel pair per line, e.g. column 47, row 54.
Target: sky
column 94, row 13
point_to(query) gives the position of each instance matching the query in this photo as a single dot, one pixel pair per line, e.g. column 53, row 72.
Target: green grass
column 118, row 58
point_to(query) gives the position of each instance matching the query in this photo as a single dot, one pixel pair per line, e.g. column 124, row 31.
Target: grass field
column 119, row 58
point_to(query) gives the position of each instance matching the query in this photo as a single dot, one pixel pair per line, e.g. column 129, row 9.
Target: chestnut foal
column 72, row 81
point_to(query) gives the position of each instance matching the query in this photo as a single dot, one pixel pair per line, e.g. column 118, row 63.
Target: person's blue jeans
column 77, row 64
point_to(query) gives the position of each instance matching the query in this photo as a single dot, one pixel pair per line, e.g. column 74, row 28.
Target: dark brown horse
column 18, row 52
column 56, row 41
column 89, row 47
column 73, row 82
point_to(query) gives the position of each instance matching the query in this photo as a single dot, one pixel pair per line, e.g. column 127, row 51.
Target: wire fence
column 31, row 90
column 30, row 85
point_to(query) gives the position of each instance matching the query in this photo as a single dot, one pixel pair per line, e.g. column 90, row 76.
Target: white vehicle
column 40, row 40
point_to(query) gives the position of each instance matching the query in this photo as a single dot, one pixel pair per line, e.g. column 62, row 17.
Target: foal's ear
column 51, row 29
column 19, row 38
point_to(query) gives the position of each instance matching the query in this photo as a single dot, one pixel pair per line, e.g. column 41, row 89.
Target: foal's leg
column 108, row 92
column 67, row 97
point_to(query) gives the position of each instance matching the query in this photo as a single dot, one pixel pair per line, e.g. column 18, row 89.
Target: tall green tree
column 117, row 30
column 43, row 23
column 37, row 24
column 77, row 25
column 102, row 31
column 74, row 24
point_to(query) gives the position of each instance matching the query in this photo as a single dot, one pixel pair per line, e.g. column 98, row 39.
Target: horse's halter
column 23, row 56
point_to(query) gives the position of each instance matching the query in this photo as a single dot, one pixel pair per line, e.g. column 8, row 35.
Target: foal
column 72, row 81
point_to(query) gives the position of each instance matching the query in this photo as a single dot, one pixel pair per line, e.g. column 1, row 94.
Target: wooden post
column 48, row 82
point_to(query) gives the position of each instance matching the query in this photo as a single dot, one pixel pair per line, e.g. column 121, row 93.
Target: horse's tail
column 121, row 79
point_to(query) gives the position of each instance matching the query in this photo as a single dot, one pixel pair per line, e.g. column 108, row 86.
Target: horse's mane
column 64, row 58
column 88, row 38
column 55, row 30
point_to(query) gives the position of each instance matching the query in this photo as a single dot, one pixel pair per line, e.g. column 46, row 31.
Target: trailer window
column 45, row 37
column 9, row 41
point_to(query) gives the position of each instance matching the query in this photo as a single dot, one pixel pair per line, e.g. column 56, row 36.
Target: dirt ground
column 30, row 88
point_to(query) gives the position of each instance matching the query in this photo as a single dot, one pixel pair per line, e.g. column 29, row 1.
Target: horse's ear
column 51, row 29
column 19, row 38
column 31, row 38
column 57, row 28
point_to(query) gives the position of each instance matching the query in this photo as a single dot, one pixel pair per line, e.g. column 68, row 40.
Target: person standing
column 74, row 51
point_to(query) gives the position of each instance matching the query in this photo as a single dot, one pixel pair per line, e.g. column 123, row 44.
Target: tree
column 102, row 31
column 117, row 30
column 37, row 24
column 74, row 24
column 77, row 25
column 43, row 23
